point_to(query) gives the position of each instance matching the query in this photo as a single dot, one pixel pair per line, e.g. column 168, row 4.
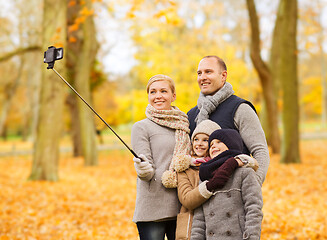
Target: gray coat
column 154, row 202
column 234, row 212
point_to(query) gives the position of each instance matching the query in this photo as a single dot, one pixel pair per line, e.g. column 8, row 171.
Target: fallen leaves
column 295, row 195
column 98, row 202
column 87, row 203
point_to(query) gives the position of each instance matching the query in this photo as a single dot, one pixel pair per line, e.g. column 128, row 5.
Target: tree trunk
column 10, row 91
column 34, row 84
column 46, row 148
column 289, row 82
column 75, row 125
column 272, row 132
column 82, row 55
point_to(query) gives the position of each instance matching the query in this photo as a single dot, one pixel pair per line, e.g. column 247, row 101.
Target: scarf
column 207, row 103
column 177, row 120
column 207, row 168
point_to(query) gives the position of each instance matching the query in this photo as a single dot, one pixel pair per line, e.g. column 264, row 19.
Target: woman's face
column 160, row 95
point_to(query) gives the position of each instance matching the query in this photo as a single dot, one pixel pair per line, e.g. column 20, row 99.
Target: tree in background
column 270, row 121
column 46, row 148
column 289, row 81
column 81, row 54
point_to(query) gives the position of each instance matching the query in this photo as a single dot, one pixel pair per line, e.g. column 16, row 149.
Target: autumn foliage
column 98, row 202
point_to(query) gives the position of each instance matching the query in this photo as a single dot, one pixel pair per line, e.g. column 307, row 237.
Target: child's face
column 200, row 144
column 216, row 148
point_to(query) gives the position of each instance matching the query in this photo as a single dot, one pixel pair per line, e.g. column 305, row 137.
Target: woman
column 159, row 140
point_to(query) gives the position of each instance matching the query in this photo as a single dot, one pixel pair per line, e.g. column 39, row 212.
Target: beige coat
column 191, row 195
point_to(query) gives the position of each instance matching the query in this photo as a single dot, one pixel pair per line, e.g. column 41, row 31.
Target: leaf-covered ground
column 98, row 202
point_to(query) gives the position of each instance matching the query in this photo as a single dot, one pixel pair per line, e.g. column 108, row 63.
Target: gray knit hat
column 206, row 126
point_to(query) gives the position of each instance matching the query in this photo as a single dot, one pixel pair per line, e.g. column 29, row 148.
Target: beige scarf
column 174, row 119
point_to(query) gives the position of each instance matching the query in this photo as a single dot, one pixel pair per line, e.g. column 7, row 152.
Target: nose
column 158, row 95
column 202, row 76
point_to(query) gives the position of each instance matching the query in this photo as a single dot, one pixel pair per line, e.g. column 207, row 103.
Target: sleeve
column 189, row 196
column 141, row 145
column 198, row 231
column 250, row 129
column 252, row 198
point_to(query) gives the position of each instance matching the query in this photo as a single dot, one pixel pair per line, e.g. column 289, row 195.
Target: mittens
column 222, row 174
column 250, row 162
column 144, row 168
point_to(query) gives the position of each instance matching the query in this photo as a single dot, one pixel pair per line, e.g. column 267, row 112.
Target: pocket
column 241, row 221
column 183, row 227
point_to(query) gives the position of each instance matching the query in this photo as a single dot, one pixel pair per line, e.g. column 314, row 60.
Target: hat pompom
column 169, row 179
column 182, row 162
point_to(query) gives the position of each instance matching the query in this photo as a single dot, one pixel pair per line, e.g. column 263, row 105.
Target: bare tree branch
column 19, row 51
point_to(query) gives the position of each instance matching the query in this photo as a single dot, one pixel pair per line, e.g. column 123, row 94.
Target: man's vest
column 223, row 115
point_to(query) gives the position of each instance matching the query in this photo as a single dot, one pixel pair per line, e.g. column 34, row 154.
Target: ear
column 224, row 75
column 174, row 97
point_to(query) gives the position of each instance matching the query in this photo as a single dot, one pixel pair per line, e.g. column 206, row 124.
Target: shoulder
column 140, row 125
column 246, row 113
column 192, row 111
column 246, row 107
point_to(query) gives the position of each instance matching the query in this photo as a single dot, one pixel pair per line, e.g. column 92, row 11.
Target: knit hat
column 206, row 126
column 230, row 137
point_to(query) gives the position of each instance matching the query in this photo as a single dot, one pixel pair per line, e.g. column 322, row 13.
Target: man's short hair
column 220, row 62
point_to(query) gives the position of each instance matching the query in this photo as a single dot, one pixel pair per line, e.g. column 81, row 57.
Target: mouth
column 215, row 152
column 205, row 84
column 200, row 148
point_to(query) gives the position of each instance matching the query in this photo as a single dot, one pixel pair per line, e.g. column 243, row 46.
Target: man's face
column 211, row 77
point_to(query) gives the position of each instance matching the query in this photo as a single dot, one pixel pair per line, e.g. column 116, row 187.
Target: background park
column 65, row 175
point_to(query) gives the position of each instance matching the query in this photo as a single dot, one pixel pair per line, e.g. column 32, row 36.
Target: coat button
column 229, row 233
column 212, row 214
column 211, row 234
column 228, row 215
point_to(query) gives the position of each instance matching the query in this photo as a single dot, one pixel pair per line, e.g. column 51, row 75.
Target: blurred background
column 84, row 182
column 112, row 48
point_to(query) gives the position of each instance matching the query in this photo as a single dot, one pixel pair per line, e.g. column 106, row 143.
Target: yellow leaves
column 73, row 28
column 294, row 196
column 87, row 203
column 86, row 12
column 72, row 3
column 98, row 202
column 72, row 39
column 170, row 16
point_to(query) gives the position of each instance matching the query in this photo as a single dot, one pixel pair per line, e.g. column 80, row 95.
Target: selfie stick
column 50, row 66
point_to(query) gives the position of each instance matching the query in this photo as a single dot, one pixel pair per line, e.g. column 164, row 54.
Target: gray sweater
column 234, row 212
column 249, row 126
column 154, row 202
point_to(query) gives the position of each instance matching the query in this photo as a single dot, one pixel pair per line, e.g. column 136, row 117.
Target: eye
column 199, row 73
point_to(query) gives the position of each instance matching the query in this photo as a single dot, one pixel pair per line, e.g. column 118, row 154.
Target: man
column 217, row 103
